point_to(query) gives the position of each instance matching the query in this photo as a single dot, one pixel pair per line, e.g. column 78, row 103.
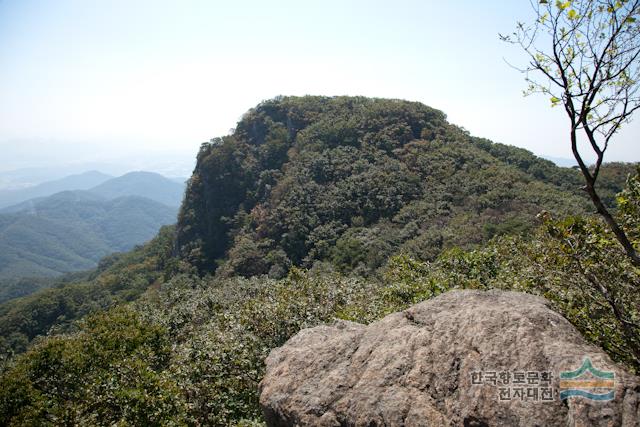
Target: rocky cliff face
column 468, row 358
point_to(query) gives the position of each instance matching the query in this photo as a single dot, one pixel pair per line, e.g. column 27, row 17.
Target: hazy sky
column 145, row 82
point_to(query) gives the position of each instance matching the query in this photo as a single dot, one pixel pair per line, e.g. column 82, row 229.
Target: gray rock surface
column 415, row 368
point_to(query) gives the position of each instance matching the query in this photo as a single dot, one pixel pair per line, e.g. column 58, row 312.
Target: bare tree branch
column 591, row 64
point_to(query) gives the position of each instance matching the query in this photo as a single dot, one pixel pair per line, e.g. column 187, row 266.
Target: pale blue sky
column 146, row 82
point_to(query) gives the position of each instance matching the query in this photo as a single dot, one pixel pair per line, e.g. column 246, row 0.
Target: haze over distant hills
column 147, row 184
column 562, row 161
column 71, row 230
column 28, row 177
column 28, row 163
column 83, row 181
column 151, row 185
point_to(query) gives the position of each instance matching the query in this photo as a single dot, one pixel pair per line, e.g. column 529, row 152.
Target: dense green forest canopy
column 192, row 350
column 314, row 209
column 66, row 230
column 352, row 181
column 72, row 230
column 118, row 278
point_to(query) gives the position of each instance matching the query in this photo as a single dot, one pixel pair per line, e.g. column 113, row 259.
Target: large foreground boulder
column 468, row 358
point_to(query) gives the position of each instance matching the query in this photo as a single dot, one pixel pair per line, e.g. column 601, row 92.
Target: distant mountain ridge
column 148, row 184
column 561, row 161
column 71, row 230
column 144, row 184
column 83, row 181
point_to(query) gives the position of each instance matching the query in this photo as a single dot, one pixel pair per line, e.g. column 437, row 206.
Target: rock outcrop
column 436, row 363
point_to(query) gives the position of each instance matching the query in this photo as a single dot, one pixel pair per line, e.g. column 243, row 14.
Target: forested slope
column 73, row 230
column 356, row 208
column 352, row 181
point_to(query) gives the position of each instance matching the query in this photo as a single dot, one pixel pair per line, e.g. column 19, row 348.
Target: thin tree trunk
column 617, row 230
column 621, row 236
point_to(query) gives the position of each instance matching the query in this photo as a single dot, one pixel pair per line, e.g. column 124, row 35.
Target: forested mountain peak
column 353, row 180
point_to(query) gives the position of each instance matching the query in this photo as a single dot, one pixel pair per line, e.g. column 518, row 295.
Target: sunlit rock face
column 472, row 358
